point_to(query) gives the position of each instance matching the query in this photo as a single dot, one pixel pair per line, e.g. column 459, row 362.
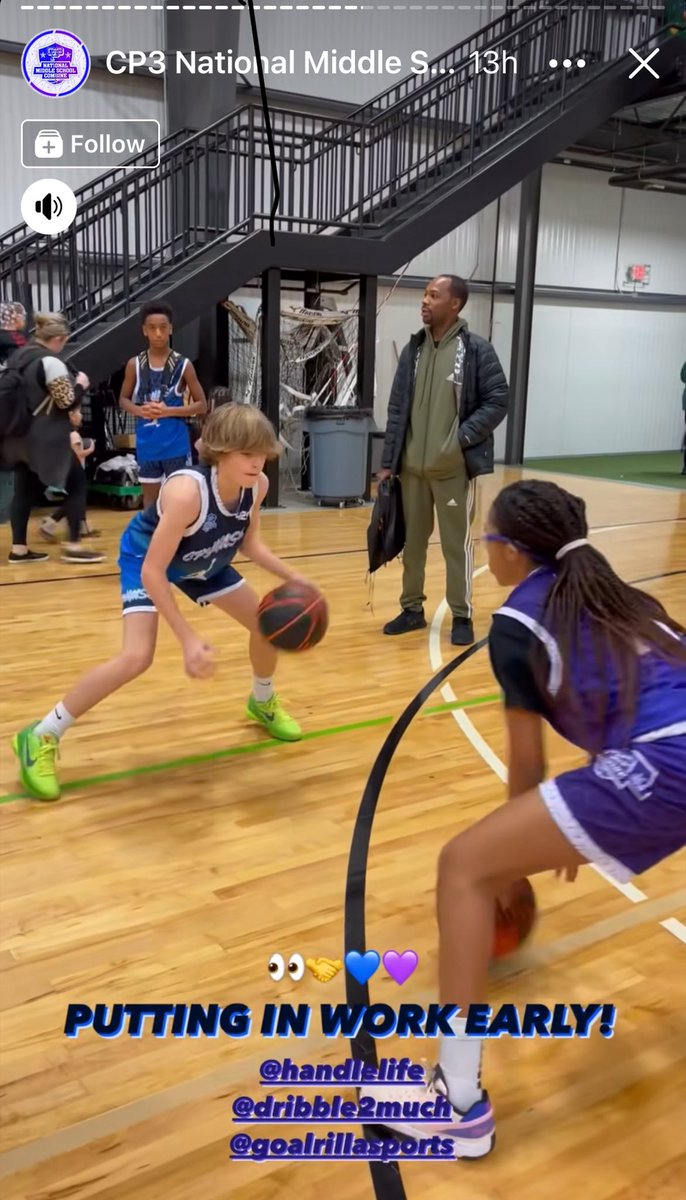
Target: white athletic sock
column 262, row 689
column 460, row 1061
column 56, row 723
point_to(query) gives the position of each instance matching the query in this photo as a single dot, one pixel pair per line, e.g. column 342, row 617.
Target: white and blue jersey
column 201, row 566
column 167, row 440
column 625, row 810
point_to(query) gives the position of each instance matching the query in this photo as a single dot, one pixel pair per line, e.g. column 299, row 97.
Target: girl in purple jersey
column 605, row 665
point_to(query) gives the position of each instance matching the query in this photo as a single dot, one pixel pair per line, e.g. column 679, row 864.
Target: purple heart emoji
column 400, row 966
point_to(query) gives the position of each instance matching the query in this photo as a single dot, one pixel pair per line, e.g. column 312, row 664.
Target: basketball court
column 188, row 849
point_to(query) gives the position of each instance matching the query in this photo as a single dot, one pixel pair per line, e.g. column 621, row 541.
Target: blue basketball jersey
column 210, row 543
column 661, row 706
column 168, row 437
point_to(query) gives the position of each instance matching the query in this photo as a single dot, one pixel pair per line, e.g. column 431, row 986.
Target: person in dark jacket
column 12, row 337
column 51, row 390
column 12, row 326
column 44, row 455
column 448, row 396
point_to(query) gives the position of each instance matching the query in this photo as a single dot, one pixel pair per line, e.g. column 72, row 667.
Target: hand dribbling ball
column 293, row 617
column 513, row 925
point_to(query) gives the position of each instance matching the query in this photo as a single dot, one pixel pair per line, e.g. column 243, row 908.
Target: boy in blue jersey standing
column 186, row 541
column 152, row 392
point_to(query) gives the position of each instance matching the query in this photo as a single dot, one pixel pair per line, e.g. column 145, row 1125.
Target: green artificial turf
column 657, row 469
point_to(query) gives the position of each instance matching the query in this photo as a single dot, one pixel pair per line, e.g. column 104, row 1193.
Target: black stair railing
column 136, row 229
column 605, row 14
column 444, row 64
column 452, row 122
column 137, row 162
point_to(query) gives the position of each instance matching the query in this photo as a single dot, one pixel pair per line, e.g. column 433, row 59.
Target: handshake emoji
column 324, row 969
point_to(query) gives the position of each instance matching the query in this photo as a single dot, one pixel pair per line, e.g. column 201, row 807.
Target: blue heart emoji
column 362, row 966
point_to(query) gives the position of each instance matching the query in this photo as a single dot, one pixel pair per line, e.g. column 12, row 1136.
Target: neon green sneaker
column 275, row 719
column 37, row 769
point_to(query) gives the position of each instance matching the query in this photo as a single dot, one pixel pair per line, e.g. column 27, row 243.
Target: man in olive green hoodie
column 448, row 395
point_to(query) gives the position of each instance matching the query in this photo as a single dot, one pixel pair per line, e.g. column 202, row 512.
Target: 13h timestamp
column 494, row 62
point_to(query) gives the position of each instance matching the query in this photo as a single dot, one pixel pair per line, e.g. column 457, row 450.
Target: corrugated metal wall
column 381, row 27
column 589, row 233
column 601, row 378
column 101, row 31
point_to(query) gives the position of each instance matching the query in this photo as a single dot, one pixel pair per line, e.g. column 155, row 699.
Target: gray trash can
column 340, row 453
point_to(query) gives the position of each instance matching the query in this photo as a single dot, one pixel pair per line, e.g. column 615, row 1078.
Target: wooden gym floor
column 174, row 866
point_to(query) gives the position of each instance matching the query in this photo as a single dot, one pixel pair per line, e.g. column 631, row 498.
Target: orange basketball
column 293, row 617
column 514, row 924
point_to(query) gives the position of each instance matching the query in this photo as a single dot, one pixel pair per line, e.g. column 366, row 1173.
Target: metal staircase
column 362, row 195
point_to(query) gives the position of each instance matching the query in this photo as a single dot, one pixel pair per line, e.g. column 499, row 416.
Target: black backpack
column 16, row 410
column 386, row 531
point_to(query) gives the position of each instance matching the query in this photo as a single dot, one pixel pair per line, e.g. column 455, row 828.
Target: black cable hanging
column 276, row 181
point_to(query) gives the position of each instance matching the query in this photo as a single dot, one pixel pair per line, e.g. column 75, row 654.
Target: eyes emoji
column 278, row 968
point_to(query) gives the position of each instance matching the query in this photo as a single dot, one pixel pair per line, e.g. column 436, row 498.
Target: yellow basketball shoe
column 271, row 714
column 37, row 766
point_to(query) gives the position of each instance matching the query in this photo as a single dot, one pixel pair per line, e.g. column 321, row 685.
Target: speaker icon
column 48, row 206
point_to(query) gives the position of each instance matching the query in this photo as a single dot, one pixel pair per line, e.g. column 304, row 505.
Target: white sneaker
column 422, row 1112
column 48, row 530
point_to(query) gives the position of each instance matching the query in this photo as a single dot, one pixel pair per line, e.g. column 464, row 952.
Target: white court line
column 472, row 734
column 675, row 927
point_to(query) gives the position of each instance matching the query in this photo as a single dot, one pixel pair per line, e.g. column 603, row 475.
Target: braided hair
column 541, row 518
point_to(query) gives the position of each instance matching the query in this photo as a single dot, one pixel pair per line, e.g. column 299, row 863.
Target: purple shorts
column 626, row 810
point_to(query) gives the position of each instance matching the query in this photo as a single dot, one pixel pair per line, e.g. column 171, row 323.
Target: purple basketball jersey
column 661, row 707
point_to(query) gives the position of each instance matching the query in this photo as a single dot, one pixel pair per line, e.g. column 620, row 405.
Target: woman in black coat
column 12, row 337
column 45, row 452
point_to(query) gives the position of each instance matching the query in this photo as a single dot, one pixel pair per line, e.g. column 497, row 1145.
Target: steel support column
column 213, row 348
column 366, row 341
column 210, row 96
column 523, row 317
column 271, row 367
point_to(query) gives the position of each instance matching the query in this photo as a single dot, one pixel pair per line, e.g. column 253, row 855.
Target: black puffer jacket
column 484, row 404
column 46, row 448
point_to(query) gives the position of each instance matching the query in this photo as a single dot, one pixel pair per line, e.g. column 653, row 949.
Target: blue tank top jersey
column 210, row 543
column 661, row 704
column 168, row 438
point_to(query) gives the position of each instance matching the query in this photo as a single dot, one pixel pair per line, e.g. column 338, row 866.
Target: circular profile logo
column 55, row 63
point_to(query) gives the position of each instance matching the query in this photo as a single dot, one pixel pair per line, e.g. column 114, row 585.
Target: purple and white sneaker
column 424, row 1111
